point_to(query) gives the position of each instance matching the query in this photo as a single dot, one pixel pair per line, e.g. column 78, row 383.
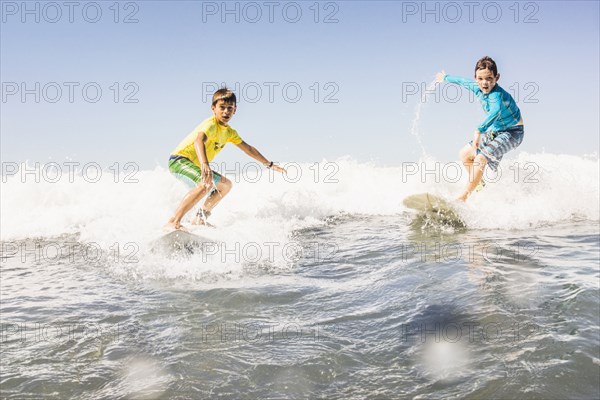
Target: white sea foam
column 531, row 189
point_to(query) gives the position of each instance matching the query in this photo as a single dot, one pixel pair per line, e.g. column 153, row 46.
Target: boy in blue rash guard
column 500, row 132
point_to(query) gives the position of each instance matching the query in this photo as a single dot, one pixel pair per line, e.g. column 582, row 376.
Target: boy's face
column 486, row 80
column 223, row 111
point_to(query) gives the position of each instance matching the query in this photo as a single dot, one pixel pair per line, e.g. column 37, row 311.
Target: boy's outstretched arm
column 254, row 153
column 442, row 76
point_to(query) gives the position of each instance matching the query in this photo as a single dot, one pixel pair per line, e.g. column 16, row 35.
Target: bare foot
column 169, row 227
column 173, row 226
column 197, row 220
column 201, row 218
column 463, row 197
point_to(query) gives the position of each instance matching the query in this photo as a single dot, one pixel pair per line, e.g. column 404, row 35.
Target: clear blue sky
column 367, row 58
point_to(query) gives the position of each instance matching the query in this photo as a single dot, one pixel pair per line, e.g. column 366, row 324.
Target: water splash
column 414, row 129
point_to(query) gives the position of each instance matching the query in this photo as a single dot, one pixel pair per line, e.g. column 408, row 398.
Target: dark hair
column 224, row 94
column 486, row 63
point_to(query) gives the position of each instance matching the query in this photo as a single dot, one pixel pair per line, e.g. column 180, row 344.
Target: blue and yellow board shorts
column 494, row 145
column 188, row 172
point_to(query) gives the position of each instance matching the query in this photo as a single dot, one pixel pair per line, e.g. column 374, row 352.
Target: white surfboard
column 435, row 207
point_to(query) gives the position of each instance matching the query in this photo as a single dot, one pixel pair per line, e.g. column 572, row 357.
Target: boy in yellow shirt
column 189, row 162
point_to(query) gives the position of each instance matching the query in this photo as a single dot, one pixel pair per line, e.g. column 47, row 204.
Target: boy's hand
column 207, row 177
column 279, row 169
column 476, row 139
column 439, row 77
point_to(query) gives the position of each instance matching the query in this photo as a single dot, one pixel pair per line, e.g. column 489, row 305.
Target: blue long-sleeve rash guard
column 498, row 104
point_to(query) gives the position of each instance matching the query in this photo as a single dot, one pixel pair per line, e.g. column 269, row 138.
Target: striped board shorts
column 494, row 145
column 188, row 172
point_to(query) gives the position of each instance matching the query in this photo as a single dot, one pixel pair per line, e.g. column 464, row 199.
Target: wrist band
column 270, row 165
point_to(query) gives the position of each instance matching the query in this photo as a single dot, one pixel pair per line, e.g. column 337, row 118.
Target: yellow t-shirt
column 217, row 136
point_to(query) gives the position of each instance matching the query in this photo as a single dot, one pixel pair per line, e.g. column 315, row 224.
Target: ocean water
column 319, row 285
